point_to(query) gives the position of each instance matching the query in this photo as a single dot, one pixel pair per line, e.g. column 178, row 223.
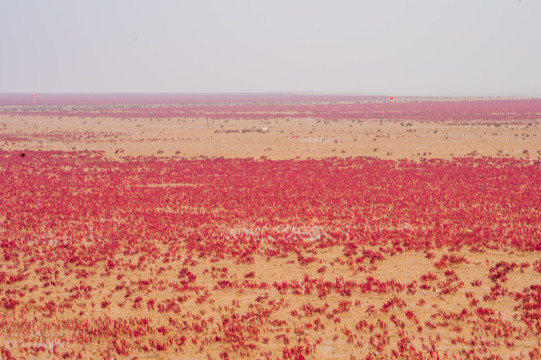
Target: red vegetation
column 523, row 111
column 476, row 202
column 68, row 218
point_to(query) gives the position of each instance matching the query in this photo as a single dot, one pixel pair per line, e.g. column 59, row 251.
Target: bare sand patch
column 274, row 139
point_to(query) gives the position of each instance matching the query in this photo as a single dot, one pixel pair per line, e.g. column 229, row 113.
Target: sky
column 378, row 47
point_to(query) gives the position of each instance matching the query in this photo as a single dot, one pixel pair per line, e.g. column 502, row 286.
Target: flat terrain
column 287, row 236
column 274, row 139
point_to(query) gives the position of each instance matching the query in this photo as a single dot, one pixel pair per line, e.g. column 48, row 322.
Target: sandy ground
column 274, row 139
column 332, row 334
column 332, row 324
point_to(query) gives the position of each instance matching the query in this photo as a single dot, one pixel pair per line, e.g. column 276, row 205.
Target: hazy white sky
column 399, row 47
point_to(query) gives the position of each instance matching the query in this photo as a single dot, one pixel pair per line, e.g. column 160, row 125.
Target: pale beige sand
column 427, row 305
column 281, row 139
